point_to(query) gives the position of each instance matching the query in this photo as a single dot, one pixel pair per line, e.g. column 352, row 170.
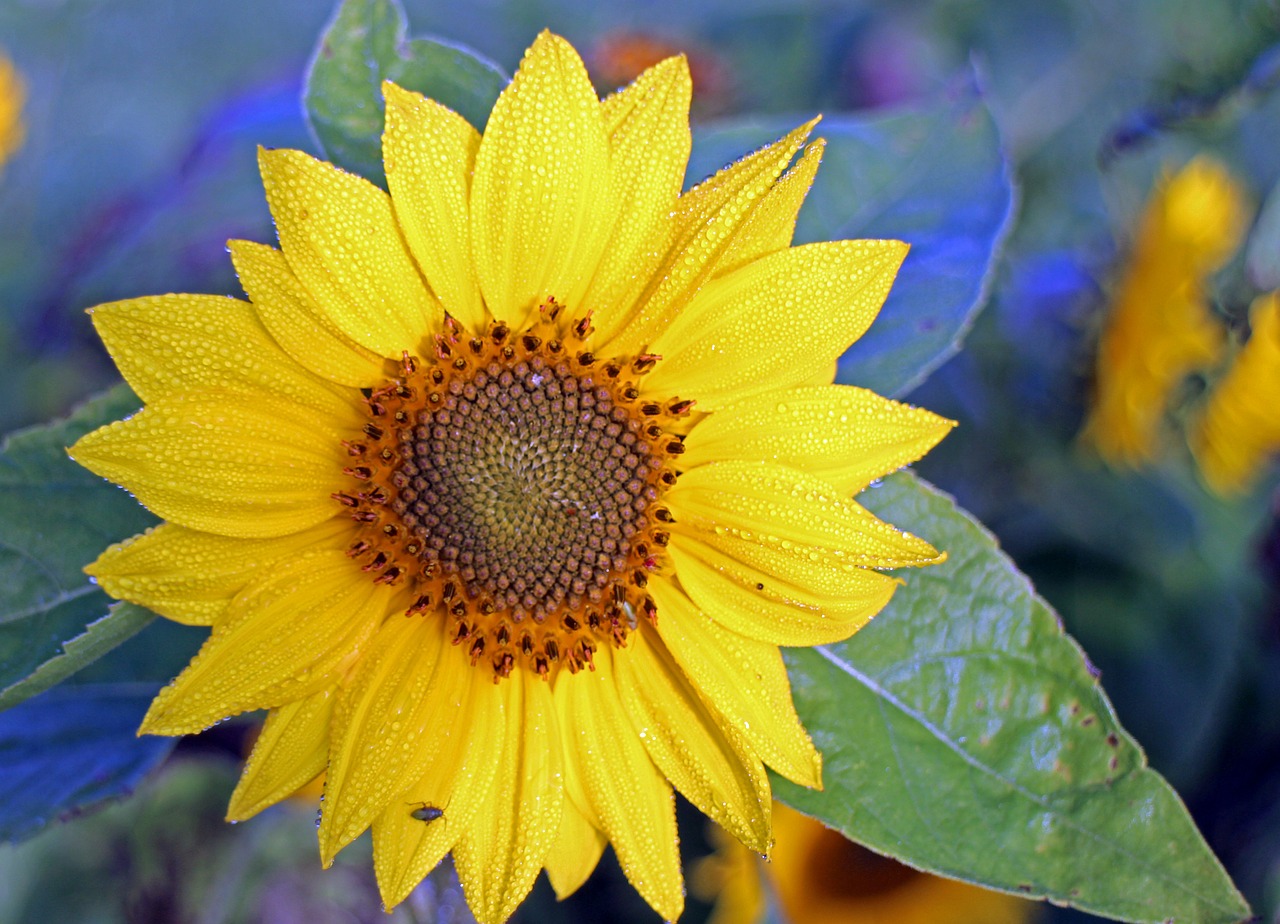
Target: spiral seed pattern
column 514, row 484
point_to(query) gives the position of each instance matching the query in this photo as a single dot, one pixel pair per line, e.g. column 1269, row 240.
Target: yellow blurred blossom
column 820, row 877
column 1160, row 328
column 1239, row 428
column 13, row 95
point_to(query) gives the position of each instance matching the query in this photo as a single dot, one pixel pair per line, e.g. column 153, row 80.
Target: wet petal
column 575, row 853
column 847, row 436
column 341, row 240
column 772, row 223
column 774, row 323
column 407, row 846
column 540, row 200
column 787, row 514
column 282, row 640
column 798, row 609
column 429, row 153
column 743, row 679
column 503, row 850
column 190, row 576
column 705, row 761
column 223, row 462
column 703, row 228
column 297, row 323
column 175, row 343
column 647, row 125
column 404, row 708
column 632, row 800
column 290, row 752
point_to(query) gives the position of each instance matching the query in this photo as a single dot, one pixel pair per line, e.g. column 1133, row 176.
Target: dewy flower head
column 502, row 490
column 1160, row 328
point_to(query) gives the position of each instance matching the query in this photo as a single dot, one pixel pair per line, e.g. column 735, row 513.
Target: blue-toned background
column 142, row 121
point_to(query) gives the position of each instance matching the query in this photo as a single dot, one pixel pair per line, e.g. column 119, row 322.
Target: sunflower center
column 511, row 483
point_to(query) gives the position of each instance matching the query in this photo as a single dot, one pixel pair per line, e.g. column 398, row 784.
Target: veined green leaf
column 365, row 44
column 122, row 621
column 55, row 518
column 964, row 733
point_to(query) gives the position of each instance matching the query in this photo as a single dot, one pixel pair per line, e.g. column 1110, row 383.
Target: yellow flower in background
column 820, row 877
column 1239, row 429
column 1160, row 328
column 502, row 490
column 13, row 95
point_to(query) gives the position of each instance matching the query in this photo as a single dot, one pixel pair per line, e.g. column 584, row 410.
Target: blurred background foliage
column 141, row 121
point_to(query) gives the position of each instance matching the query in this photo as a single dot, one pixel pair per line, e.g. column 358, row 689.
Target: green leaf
column 70, row 749
column 365, row 44
column 933, row 177
column 123, row 621
column 55, row 518
column 964, row 733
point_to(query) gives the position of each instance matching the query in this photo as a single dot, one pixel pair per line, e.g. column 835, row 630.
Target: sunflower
column 1238, row 430
column 13, row 95
column 817, row 876
column 502, row 490
column 1160, row 328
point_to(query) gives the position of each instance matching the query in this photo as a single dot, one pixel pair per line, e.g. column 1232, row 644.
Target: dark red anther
column 680, row 408
column 345, row 500
column 390, row 576
column 355, row 449
column 421, row 605
column 373, row 431
column 644, row 362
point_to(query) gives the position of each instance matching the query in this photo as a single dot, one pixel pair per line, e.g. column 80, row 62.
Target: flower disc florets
column 511, row 481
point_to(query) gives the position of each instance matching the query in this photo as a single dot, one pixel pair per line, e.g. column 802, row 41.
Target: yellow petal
column 175, row 343
column 297, row 323
column 759, row 605
column 648, row 128
column 404, row 707
column 785, row 513
column 632, row 800
column 774, row 323
column 190, row 576
column 223, row 462
column 407, row 846
column 540, row 199
column 847, row 436
column 772, row 223
column 702, row 230
column 706, row 762
column 575, row 853
column 1239, row 429
column 429, row 152
column 504, row 848
column 341, row 240
column 282, row 640
column 743, row 679
column 290, row 752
